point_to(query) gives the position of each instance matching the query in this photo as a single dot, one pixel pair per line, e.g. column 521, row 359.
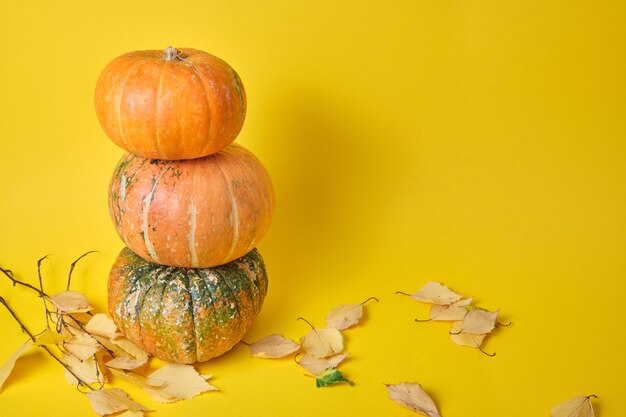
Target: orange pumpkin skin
column 185, row 315
column 195, row 213
column 172, row 104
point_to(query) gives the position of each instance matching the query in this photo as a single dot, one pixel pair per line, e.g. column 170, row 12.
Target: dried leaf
column 321, row 343
column 434, row 292
column 112, row 400
column 88, row 371
column 579, row 406
column 8, row 366
column 465, row 339
column 50, row 337
column 318, row 365
column 82, row 346
column 344, row 316
column 452, row 312
column 479, row 321
column 124, row 362
column 131, row 348
column 129, row 413
column 178, row 382
column 101, row 325
column 413, row 397
column 330, row 376
column 135, row 379
column 273, row 346
column 70, row 302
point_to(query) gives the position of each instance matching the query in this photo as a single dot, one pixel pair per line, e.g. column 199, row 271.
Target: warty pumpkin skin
column 196, row 213
column 185, row 315
column 173, row 104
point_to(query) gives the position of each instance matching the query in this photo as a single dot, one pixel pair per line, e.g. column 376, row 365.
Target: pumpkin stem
column 172, row 54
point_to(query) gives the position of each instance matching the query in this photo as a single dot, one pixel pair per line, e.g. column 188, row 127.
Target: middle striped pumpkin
column 193, row 213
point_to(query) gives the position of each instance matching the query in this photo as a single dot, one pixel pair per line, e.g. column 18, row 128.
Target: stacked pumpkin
column 189, row 205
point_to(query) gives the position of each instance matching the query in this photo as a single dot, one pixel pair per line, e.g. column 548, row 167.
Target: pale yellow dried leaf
column 129, row 413
column 412, row 396
column 8, row 366
column 321, row 343
column 318, row 365
column 453, row 312
column 70, row 302
column 273, row 346
column 134, row 378
column 82, row 346
column 579, row 406
column 479, row 321
column 112, row 400
column 124, row 362
column 50, row 337
column 344, row 316
column 88, row 371
column 178, row 381
column 101, row 325
column 131, row 349
column 434, row 292
column 465, row 339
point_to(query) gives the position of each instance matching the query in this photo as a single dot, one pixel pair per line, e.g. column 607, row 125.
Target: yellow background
column 479, row 143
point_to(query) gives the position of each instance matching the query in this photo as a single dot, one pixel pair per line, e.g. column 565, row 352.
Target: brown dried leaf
column 70, row 302
column 273, row 346
column 82, row 346
column 8, row 366
column 344, row 316
column 434, row 292
column 88, row 371
column 124, row 362
column 321, row 343
column 178, row 381
column 579, row 406
column 479, row 321
column 317, row 365
column 453, row 312
column 101, row 325
column 465, row 339
column 112, row 400
column 412, row 396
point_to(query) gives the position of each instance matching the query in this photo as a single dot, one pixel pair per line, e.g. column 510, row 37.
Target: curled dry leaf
column 8, row 366
column 135, row 378
column 178, row 382
column 272, row 347
column 70, row 302
column 579, row 406
column 330, row 376
column 479, row 321
column 112, row 400
column 101, row 325
column 318, row 365
column 434, row 292
column 412, row 396
column 321, row 343
column 453, row 312
column 49, row 337
column 130, row 348
column 82, row 346
column 124, row 362
column 465, row 339
column 344, row 316
column 88, row 370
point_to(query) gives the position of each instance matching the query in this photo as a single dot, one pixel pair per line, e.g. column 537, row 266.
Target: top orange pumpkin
column 172, row 104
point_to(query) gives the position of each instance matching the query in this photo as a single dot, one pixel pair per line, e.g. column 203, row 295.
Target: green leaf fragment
column 330, row 376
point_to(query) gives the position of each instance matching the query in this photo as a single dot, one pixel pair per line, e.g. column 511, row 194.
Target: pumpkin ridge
column 145, row 227
column 157, row 123
column 233, row 212
column 234, row 297
column 193, row 215
column 154, row 276
column 204, row 275
column 145, row 328
column 121, row 100
column 243, row 293
column 208, row 106
column 187, row 351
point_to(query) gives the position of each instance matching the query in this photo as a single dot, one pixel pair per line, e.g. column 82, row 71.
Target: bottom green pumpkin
column 185, row 315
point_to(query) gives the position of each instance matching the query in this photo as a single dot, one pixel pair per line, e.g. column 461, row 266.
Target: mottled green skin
column 186, row 315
